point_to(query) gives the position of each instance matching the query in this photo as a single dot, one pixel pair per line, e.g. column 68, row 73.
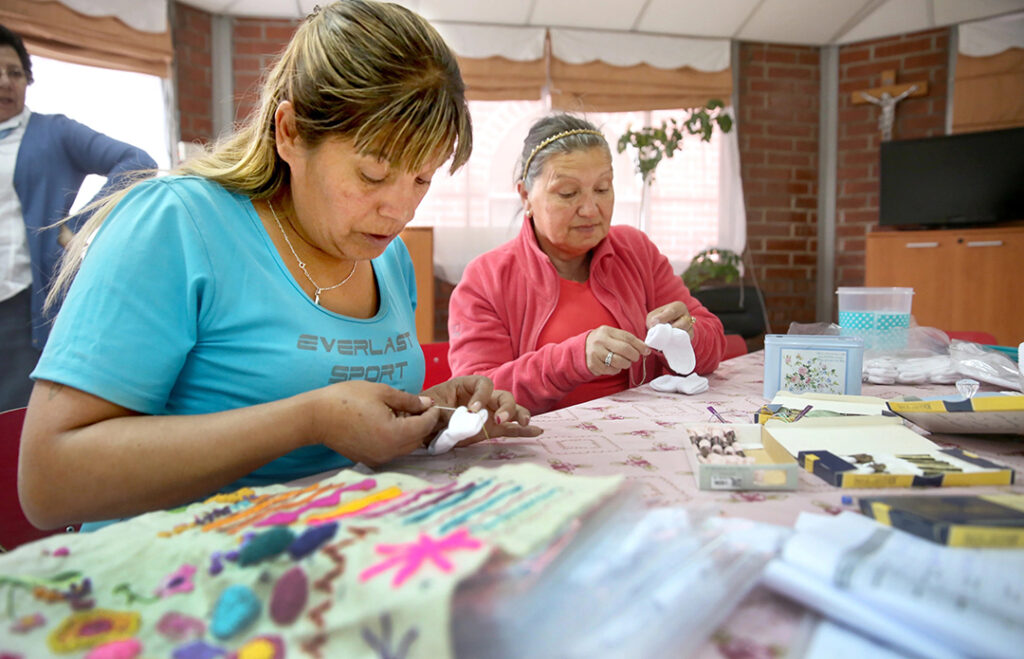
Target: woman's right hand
column 370, row 422
column 624, row 348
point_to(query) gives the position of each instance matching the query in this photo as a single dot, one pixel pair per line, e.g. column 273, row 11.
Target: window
column 478, row 208
column 125, row 106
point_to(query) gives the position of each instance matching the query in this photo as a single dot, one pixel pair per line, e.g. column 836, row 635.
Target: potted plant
column 713, row 267
column 652, row 144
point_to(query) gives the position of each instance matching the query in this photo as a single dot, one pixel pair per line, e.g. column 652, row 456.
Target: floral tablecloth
column 639, row 433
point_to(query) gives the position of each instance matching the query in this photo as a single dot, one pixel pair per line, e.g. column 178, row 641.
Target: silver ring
column 608, row 358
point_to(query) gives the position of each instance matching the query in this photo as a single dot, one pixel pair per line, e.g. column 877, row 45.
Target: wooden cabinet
column 420, row 242
column 965, row 279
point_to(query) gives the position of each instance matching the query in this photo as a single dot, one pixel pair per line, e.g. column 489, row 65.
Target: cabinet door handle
column 921, row 245
column 984, row 243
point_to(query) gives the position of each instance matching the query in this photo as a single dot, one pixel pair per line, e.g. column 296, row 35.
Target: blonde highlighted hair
column 370, row 72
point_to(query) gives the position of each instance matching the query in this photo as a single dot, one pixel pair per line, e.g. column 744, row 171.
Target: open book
column 923, row 598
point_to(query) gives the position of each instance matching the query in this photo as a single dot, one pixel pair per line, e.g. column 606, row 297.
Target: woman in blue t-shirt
column 249, row 320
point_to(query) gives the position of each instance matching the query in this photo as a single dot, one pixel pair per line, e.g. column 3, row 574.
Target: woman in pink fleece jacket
column 554, row 315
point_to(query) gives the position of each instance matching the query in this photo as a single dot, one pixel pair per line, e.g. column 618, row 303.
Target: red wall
column 257, row 42
column 779, row 99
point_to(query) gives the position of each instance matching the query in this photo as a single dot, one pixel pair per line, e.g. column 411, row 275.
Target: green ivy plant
column 712, row 266
column 652, row 144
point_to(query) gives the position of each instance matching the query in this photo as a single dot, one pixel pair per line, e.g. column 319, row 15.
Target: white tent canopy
column 799, row 22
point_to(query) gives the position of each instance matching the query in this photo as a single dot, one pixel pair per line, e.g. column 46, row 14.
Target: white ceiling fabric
column 143, row 15
column 626, row 49
column 991, row 37
column 795, row 22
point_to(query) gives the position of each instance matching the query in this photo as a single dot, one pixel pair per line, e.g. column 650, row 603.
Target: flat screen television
column 970, row 179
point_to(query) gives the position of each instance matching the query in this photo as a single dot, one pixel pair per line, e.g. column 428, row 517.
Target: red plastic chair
column 15, row 529
column 976, row 337
column 438, row 370
column 735, row 346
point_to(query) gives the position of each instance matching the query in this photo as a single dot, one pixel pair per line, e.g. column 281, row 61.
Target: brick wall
column 192, row 60
column 778, row 136
column 921, row 56
column 256, row 43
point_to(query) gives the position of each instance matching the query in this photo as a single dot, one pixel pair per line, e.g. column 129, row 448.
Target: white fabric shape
column 675, row 343
column 691, row 384
column 462, row 425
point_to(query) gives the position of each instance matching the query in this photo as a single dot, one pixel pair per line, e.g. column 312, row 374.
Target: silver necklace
column 302, row 266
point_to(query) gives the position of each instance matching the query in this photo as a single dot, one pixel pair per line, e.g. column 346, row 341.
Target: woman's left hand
column 675, row 314
column 505, row 418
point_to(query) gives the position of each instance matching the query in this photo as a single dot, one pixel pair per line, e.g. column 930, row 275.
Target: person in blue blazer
column 43, row 160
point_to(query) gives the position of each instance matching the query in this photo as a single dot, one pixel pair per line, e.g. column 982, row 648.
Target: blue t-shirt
column 184, row 306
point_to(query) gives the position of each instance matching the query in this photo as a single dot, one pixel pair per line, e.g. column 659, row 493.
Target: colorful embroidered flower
column 662, row 446
column 180, row 627
column 261, row 647
column 385, row 645
column 586, row 425
column 232, row 497
column 49, row 595
column 28, row 623
column 87, row 629
column 78, row 595
column 411, row 556
column 179, row 581
column 127, row 648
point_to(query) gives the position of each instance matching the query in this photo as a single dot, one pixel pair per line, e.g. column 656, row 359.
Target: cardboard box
column 829, row 448
column 986, row 414
column 995, row 520
column 772, row 467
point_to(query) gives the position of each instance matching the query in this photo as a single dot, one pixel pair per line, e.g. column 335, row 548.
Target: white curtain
column 521, row 44
column 625, row 49
column 991, row 37
column 732, row 212
column 143, row 15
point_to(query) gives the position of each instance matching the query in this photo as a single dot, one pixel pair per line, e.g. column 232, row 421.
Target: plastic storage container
column 879, row 315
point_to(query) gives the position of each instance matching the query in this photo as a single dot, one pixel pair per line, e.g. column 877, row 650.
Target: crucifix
column 887, row 96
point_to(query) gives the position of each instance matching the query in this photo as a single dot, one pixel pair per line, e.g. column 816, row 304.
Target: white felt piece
column 690, row 384
column 463, row 424
column 665, row 383
column 675, row 344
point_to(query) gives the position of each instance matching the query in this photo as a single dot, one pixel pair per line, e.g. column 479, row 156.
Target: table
column 638, row 433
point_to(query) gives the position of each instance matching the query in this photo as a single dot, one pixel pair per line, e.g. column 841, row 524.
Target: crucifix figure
column 886, row 97
column 887, row 102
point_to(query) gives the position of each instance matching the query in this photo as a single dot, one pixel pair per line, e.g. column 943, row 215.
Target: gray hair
column 553, row 135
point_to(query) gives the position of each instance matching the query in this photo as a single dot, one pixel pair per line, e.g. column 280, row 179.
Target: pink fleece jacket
column 507, row 295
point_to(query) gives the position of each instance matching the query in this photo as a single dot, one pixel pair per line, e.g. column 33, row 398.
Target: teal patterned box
column 878, row 315
column 812, row 363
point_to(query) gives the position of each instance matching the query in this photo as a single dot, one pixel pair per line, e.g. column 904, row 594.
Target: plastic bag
column 986, row 365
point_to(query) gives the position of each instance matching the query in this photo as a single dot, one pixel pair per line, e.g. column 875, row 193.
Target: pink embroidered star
column 411, row 556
